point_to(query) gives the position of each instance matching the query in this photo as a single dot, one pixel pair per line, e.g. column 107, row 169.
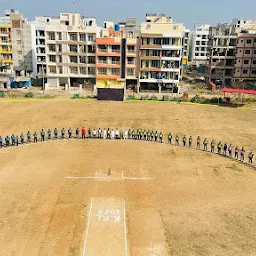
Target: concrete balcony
column 154, row 80
column 171, row 58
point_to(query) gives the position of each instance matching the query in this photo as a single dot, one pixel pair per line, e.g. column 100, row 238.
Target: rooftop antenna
column 74, row 6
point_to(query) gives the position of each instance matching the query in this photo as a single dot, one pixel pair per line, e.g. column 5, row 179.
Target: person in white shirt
column 99, row 133
column 112, row 134
column 104, row 134
column 125, row 134
column 94, row 133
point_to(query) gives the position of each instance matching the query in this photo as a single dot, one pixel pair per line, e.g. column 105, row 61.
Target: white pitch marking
column 135, row 178
column 123, row 178
column 87, row 228
column 125, row 231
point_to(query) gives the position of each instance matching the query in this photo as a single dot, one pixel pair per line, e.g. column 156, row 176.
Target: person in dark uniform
column 250, row 157
column 89, row 132
column 129, row 134
column 28, row 137
column 161, row 137
column 177, row 138
column 184, row 141
column 152, row 135
column 55, row 133
column 242, row 152
column 69, row 132
column 236, row 152
column 77, row 133
column 219, row 147
column 13, row 140
column 35, row 137
column 169, row 138
column 145, row 134
column 42, row 135
column 7, row 141
column 205, row 144
column 148, row 135
column 230, row 150
column 17, row 140
column 1, row 142
column 156, row 136
column 62, row 133
column 225, row 147
column 22, row 138
column 190, row 141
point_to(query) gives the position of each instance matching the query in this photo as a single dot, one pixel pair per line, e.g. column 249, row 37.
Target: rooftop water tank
column 117, row 27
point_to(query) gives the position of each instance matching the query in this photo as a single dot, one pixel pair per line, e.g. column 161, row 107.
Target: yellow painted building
column 5, row 43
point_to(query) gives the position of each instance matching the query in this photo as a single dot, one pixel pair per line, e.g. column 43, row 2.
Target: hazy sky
column 189, row 12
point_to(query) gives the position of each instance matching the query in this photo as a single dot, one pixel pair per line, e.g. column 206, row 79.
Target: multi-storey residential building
column 22, row 50
column 109, row 57
column 186, row 45
column 222, row 47
column 160, row 53
column 38, row 43
column 71, row 52
column 199, row 45
column 5, row 43
column 245, row 64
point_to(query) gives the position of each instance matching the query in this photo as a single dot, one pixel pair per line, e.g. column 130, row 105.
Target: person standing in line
column 104, row 134
column 77, row 133
column 169, row 138
column 219, row 147
column 129, row 134
column 225, row 147
column 190, row 141
column 161, row 137
column 7, row 141
column 230, row 150
column 184, row 141
column 212, row 146
column 152, row 135
column 177, row 140
column 145, row 134
column 242, row 152
column 112, row 134
column 121, row 134
column 22, row 138
column 125, row 134
column 62, row 133
column 49, row 133
column 156, row 136
column 250, row 157
column 42, row 135
column 28, row 137
column 83, row 133
column 94, row 133
column 117, row 133
column 198, row 142
column 89, row 133
column 1, row 142
column 236, row 152
column 108, row 134
column 99, row 133
column 205, row 144
column 17, row 140
column 69, row 133
column 55, row 133
column 148, row 135
column 35, row 137
column 13, row 140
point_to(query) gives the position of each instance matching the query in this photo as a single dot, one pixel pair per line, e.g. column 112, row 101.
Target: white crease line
column 87, row 228
column 125, row 232
column 134, row 178
column 122, row 177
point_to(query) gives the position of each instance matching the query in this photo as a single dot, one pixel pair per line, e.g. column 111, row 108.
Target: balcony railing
column 102, row 62
column 115, row 50
column 115, row 62
column 102, row 50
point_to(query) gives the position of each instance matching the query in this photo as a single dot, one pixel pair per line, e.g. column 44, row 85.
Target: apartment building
column 222, row 54
column 160, row 54
column 245, row 63
column 5, row 44
column 22, row 50
column 71, row 52
column 186, row 46
column 199, row 45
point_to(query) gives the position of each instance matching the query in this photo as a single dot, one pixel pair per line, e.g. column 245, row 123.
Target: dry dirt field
column 57, row 199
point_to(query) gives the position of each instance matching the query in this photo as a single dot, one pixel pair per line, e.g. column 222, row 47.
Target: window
column 197, row 42
column 82, row 59
column 241, row 41
column 60, row 59
column 147, row 53
column 148, row 40
column 18, row 41
column 83, row 37
column 197, row 48
column 52, row 47
column 73, row 59
column 115, row 71
column 51, row 35
column 156, row 53
column 91, row 60
column 52, row 58
column 102, row 71
column 249, row 41
column 73, row 48
column 254, row 40
column 60, row 70
column 196, row 54
column 166, row 41
column 59, row 35
column 115, row 60
column 52, row 70
column 131, row 60
column 130, row 72
column 73, row 70
column 202, row 54
column 83, row 70
column 115, row 48
column 254, row 52
column 131, row 49
column 19, row 52
column 91, row 49
column 59, row 47
column 18, row 32
column 247, row 51
column 254, row 72
column 245, row 71
column 198, row 35
column 157, row 41
column 246, row 61
column 155, row 64
column 73, row 36
column 254, row 62
column 91, row 71
column 90, row 38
